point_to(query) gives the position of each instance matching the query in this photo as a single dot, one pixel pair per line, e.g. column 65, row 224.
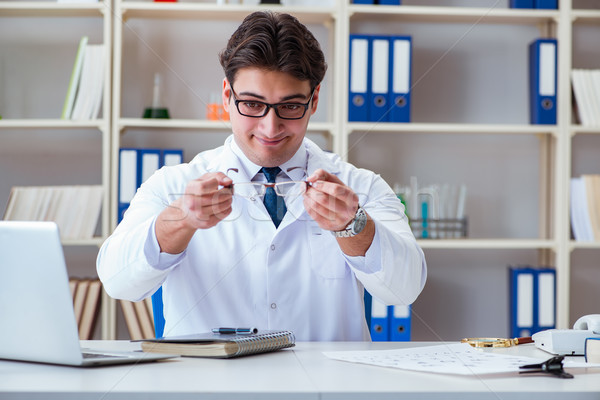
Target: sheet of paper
column 455, row 358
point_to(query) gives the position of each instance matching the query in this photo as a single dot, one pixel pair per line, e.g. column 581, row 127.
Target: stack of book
column 585, row 208
column 217, row 345
column 586, row 88
column 75, row 209
column 86, row 304
column 84, row 94
column 139, row 319
column 592, row 350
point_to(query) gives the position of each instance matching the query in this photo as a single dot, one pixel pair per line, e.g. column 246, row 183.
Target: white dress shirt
column 245, row 272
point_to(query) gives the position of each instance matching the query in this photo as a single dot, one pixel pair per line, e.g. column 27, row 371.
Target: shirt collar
column 299, row 159
column 250, row 169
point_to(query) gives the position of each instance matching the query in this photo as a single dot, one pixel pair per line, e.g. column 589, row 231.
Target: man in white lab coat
column 267, row 230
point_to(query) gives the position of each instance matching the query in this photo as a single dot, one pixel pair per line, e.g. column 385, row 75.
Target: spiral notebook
column 217, row 345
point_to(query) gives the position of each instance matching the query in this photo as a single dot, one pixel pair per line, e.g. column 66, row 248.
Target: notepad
column 220, row 345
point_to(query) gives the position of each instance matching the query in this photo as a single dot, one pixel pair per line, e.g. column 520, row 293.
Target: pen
column 246, row 331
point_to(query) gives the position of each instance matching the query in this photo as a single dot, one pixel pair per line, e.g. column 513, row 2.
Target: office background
column 463, row 73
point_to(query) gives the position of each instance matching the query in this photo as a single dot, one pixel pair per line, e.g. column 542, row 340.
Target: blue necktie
column 274, row 204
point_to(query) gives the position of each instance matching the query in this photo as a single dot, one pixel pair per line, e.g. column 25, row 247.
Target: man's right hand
column 206, row 201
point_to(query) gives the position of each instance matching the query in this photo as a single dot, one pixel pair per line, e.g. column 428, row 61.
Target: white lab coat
column 245, row 272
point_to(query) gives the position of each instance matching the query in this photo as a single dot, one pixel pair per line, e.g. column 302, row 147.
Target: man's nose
column 271, row 124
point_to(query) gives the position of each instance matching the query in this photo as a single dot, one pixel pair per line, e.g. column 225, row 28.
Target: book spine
column 264, row 343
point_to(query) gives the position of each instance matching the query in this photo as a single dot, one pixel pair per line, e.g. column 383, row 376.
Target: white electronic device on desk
column 569, row 341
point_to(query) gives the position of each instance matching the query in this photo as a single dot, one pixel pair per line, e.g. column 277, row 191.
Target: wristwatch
column 355, row 226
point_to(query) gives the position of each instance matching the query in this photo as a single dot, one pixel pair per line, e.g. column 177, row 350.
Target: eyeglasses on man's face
column 286, row 189
column 258, row 109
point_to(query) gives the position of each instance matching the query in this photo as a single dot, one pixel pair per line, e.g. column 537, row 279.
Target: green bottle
column 156, row 111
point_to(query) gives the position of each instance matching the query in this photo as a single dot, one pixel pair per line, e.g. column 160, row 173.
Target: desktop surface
column 301, row 372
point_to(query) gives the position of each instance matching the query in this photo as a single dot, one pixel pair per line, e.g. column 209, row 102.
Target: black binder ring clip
column 553, row 366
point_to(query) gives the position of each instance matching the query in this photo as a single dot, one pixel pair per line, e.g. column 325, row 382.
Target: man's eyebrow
column 295, row 96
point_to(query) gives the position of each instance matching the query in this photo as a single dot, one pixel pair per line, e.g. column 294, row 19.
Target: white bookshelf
column 554, row 157
column 30, row 127
column 490, row 244
column 51, row 9
column 50, row 124
column 453, row 128
column 452, row 14
column 128, row 26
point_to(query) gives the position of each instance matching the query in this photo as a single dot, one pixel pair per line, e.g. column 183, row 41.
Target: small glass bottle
column 157, row 110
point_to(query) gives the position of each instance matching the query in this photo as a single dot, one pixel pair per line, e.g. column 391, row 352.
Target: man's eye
column 251, row 104
column 290, row 107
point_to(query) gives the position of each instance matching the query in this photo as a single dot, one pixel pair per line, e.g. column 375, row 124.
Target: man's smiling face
column 268, row 141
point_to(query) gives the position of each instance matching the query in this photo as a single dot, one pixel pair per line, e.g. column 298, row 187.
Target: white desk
column 302, row 372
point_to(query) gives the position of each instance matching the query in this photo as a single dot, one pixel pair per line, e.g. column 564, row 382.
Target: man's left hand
column 329, row 201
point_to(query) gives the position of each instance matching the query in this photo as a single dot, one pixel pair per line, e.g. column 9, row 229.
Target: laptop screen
column 36, row 307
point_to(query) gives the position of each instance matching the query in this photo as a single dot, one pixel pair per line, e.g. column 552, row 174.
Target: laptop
column 37, row 321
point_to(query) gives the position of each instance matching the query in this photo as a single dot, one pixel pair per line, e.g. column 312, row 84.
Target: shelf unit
column 30, row 122
column 555, row 245
column 581, row 19
column 552, row 244
column 52, row 9
column 551, row 186
column 101, row 10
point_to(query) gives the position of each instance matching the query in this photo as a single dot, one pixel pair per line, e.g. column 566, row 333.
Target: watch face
column 360, row 222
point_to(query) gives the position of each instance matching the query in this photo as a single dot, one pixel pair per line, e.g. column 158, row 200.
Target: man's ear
column 315, row 99
column 226, row 94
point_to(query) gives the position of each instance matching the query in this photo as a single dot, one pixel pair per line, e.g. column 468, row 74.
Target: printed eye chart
column 455, row 358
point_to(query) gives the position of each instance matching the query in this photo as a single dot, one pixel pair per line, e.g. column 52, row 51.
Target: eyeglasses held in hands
column 258, row 109
column 286, row 189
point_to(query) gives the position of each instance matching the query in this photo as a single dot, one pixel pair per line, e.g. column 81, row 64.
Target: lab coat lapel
column 229, row 164
column 317, row 159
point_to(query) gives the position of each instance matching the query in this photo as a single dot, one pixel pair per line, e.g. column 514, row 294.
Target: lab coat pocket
column 326, row 260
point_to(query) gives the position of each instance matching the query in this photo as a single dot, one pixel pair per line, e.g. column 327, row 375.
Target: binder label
column 546, row 299
column 525, row 300
column 378, row 309
column 359, row 62
column 150, row 164
column 379, row 83
column 128, row 182
column 401, row 311
column 547, row 69
column 401, row 80
column 172, row 159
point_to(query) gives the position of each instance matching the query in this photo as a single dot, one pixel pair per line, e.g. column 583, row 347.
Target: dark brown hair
column 275, row 42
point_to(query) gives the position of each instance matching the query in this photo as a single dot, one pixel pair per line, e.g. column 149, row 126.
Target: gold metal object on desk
column 496, row 342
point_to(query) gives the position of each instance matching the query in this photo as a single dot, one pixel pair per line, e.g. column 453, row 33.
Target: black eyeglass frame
column 269, row 106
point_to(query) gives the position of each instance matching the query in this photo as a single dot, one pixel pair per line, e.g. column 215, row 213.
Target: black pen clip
column 552, row 366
